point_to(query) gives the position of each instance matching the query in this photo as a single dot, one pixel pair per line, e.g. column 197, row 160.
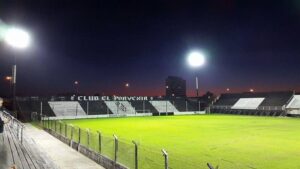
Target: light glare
column 17, row 38
column 196, row 59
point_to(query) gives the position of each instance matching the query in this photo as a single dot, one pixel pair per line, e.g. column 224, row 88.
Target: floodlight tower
column 196, row 59
column 17, row 39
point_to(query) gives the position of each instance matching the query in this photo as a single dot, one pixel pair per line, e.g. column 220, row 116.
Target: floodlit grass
column 191, row 141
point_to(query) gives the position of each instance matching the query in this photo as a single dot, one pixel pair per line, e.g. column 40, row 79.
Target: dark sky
column 104, row 44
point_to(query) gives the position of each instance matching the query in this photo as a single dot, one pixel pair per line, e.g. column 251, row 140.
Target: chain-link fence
column 128, row 154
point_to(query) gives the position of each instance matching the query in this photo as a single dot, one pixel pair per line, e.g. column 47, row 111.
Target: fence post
column 45, row 121
column 41, row 111
column 166, row 107
column 55, row 126
column 135, row 154
column 87, row 107
column 99, row 141
column 41, row 121
column 22, row 134
column 143, row 106
column 48, row 121
column 72, row 132
column 79, row 131
column 52, row 124
column 88, row 138
column 60, row 127
column 66, row 130
column 116, row 147
column 186, row 105
column 165, row 154
column 11, row 122
column 18, row 134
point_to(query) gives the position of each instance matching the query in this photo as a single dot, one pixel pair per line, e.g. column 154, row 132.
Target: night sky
column 104, row 44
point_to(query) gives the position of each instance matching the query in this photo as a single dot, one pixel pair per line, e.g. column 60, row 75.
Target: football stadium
column 238, row 130
column 149, row 85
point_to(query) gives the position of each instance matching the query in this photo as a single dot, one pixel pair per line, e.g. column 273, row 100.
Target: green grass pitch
column 229, row 141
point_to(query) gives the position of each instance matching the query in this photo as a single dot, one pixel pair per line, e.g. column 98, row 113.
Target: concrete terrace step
column 61, row 154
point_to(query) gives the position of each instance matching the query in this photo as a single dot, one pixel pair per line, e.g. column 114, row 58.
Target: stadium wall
column 189, row 113
column 99, row 116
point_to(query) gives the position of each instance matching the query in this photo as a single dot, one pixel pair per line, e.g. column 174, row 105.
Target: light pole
column 76, row 83
column 17, row 39
column 196, row 59
column 127, row 86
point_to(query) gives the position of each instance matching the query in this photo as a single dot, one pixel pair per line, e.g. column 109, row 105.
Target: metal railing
column 270, row 108
column 16, row 126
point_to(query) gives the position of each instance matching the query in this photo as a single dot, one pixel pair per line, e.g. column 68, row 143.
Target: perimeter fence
column 113, row 152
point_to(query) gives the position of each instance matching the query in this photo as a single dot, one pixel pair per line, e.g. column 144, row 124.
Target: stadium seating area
column 277, row 98
column 17, row 150
column 120, row 107
column 228, row 99
column 143, row 107
column 29, row 105
column 185, row 105
column 95, row 107
column 66, row 108
column 248, row 103
column 293, row 108
column 163, row 106
column 267, row 104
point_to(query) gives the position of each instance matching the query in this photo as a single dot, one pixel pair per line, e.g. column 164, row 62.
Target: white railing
column 16, row 126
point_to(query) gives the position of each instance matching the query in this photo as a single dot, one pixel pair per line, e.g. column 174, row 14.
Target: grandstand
column 17, row 150
column 264, row 103
column 248, row 103
column 143, row 107
column 163, row 106
column 261, row 103
column 293, row 108
column 95, row 107
column 185, row 105
column 92, row 105
column 66, row 108
column 120, row 107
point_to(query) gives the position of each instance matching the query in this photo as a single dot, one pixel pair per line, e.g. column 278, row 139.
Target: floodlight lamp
column 196, row 59
column 17, row 38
